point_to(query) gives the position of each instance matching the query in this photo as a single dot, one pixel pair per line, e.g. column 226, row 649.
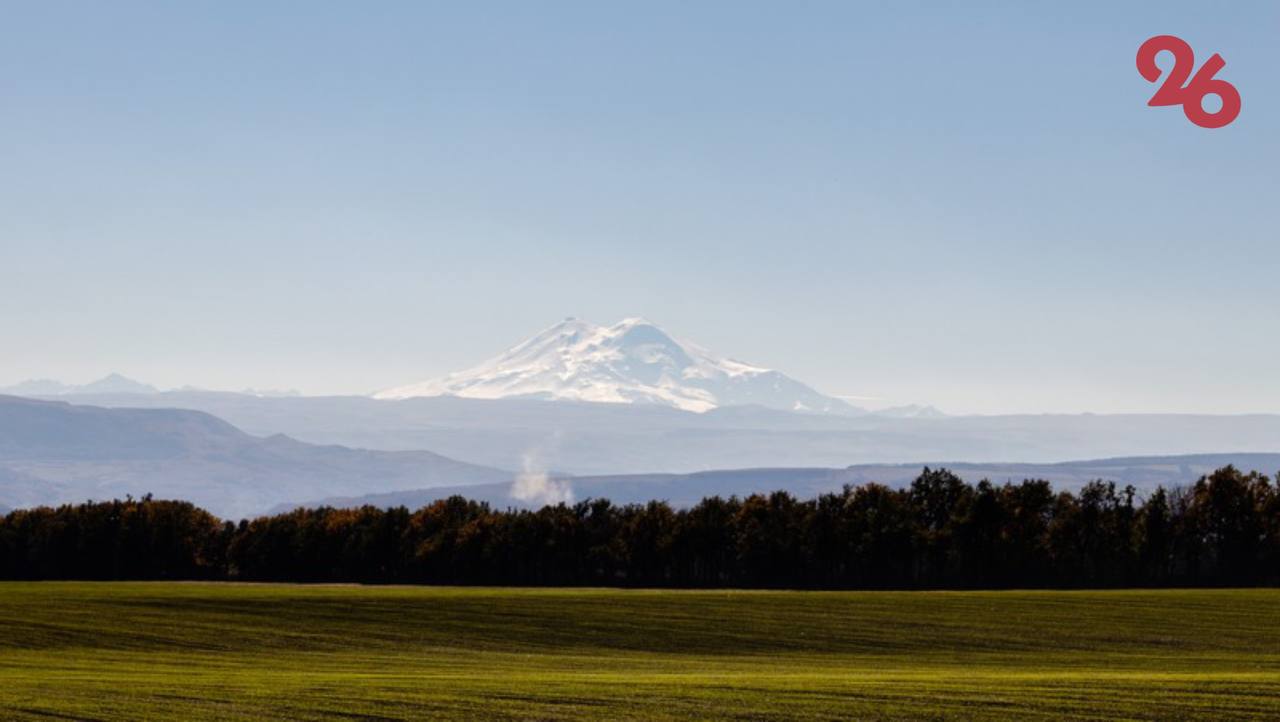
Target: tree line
column 939, row 532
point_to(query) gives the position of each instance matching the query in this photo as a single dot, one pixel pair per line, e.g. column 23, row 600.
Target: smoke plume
column 535, row 487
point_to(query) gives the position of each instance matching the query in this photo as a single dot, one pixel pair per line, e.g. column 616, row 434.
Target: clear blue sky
column 964, row 204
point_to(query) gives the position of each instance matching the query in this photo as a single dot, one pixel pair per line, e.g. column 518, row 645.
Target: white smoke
column 534, row 486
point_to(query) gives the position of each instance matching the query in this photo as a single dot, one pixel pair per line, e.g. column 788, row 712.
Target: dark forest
column 938, row 533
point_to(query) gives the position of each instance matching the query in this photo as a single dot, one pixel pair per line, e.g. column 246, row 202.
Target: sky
column 963, row 204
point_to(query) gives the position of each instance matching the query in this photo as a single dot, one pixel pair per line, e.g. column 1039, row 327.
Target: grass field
column 223, row 651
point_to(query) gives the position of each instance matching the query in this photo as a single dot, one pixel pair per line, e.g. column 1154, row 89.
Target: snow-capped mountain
column 631, row 362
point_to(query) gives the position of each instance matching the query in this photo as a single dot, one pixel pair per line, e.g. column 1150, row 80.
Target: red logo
column 1191, row 95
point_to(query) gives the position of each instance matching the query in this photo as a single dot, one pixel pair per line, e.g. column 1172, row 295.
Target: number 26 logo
column 1191, row 97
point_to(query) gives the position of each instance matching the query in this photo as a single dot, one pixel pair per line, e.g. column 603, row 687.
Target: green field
column 225, row 651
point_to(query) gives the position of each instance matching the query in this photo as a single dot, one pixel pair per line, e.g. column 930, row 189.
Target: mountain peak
column 629, row 323
column 633, row 361
column 115, row 383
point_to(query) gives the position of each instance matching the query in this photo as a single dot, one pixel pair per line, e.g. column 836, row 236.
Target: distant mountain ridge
column 911, row 411
column 110, row 384
column 590, row 439
column 630, row 362
column 684, row 490
column 53, row 452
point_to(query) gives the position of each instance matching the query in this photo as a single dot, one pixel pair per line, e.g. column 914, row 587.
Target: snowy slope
column 631, row 362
